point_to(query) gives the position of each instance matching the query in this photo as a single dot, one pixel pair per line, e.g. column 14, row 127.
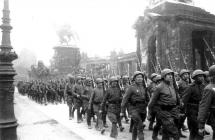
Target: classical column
column 8, row 122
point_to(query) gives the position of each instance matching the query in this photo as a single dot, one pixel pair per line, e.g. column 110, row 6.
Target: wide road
column 35, row 125
column 39, row 122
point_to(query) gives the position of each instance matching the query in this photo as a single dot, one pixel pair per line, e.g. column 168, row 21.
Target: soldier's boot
column 104, row 119
column 151, row 125
column 134, row 133
column 79, row 118
column 114, row 132
column 182, row 135
column 155, row 134
column 184, row 127
column 70, row 113
column 73, row 111
column 140, row 135
column 89, row 119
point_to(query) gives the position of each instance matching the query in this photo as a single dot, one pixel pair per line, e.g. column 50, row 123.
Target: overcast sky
column 102, row 25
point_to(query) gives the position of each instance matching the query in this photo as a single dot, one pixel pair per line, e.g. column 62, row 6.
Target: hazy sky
column 102, row 25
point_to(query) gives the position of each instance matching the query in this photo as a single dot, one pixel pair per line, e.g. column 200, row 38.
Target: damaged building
column 176, row 35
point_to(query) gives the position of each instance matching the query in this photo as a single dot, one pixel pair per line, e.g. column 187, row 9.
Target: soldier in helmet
column 183, row 84
column 113, row 97
column 126, row 83
column 191, row 98
column 88, row 90
column 207, row 79
column 77, row 92
column 151, row 89
column 166, row 100
column 137, row 97
column 207, row 104
column 95, row 103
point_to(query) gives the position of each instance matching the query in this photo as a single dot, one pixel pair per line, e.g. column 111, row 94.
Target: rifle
column 212, row 53
column 206, row 61
column 158, row 64
column 93, row 81
column 154, row 66
column 185, row 63
column 174, row 81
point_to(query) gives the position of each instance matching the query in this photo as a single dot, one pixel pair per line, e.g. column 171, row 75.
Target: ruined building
column 176, row 35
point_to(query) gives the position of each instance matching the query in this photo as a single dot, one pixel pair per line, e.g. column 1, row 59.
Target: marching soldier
column 95, row 104
column 151, row 89
column 88, row 90
column 207, row 104
column 137, row 97
column 68, row 92
column 191, row 99
column 183, row 84
column 166, row 99
column 126, row 84
column 113, row 97
column 77, row 92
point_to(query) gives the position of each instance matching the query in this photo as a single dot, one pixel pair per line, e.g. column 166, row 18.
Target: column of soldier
column 168, row 100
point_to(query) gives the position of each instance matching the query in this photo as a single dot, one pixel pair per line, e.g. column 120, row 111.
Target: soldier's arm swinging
column 125, row 99
column 204, row 107
column 154, row 98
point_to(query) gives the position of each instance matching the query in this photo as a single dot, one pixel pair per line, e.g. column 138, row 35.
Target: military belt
column 167, row 107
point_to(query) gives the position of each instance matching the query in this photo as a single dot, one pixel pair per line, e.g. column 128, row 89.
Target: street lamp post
column 8, row 122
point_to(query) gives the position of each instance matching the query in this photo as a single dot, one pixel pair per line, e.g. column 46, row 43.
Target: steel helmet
column 138, row 73
column 212, row 70
column 183, row 71
column 157, row 78
column 113, row 79
column 99, row 80
column 166, row 71
column 197, row 72
column 206, row 73
column 125, row 77
column 153, row 75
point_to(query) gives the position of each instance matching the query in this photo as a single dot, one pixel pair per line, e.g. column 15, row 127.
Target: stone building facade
column 176, row 35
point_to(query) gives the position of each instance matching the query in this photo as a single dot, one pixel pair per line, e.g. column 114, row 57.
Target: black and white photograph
column 107, row 70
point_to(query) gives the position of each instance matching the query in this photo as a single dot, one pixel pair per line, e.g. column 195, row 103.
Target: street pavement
column 51, row 122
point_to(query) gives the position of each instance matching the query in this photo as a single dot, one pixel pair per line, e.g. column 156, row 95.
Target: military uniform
column 137, row 97
column 68, row 91
column 151, row 89
column 77, row 92
column 113, row 97
column 95, row 104
column 191, row 99
column 207, row 105
column 88, row 90
column 166, row 99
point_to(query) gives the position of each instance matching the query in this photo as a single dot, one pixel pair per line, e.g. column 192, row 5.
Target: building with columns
column 176, row 35
column 124, row 64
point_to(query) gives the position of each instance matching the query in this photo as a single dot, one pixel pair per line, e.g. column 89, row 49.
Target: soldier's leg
column 138, row 124
column 134, row 132
column 104, row 117
column 156, row 129
column 169, row 129
column 193, row 127
column 89, row 115
column 78, row 114
column 119, row 122
column 151, row 120
column 131, row 125
column 113, row 119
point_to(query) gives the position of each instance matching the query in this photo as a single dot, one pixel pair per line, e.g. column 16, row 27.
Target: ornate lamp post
column 8, row 122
